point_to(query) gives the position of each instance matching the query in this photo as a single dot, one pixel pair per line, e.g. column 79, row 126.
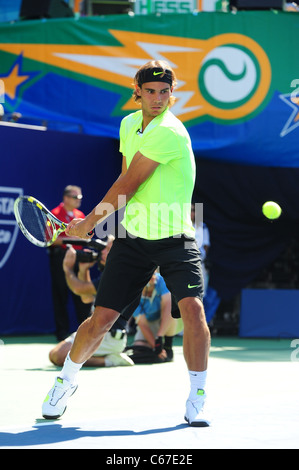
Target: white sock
column 70, row 369
column 197, row 382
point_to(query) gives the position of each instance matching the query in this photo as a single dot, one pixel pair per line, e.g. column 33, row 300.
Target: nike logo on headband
column 157, row 73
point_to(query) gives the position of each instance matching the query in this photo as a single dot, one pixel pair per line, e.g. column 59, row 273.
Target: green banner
column 238, row 75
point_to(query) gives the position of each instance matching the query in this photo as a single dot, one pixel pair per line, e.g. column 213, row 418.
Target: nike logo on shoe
column 191, row 287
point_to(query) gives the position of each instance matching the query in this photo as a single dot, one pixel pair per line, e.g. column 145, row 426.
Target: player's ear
column 138, row 90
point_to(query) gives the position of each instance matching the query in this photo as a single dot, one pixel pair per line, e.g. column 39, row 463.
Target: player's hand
column 79, row 228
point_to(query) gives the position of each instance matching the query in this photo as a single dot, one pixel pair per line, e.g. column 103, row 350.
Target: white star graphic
column 293, row 120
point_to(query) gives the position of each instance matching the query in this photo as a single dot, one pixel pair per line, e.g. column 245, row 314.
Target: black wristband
column 158, row 345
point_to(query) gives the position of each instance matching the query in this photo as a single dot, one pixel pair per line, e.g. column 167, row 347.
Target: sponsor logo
column 8, row 226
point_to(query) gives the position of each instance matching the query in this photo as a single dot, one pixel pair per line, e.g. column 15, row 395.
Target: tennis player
column 156, row 183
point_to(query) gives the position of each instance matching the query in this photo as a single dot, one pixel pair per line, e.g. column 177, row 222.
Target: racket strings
column 35, row 221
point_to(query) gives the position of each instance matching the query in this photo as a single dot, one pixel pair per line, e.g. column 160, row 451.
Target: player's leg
column 126, row 273
column 181, row 270
column 196, row 339
column 196, row 346
column 91, row 333
column 88, row 338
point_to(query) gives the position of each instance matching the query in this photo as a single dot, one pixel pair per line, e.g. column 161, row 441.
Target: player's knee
column 192, row 311
column 101, row 321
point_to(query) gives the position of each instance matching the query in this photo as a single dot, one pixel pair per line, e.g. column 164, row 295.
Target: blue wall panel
column 42, row 163
column 269, row 313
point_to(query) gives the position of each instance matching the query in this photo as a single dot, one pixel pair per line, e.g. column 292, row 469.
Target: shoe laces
column 59, row 389
column 198, row 403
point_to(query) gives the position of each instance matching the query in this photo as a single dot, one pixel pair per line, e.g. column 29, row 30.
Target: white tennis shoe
column 55, row 402
column 195, row 415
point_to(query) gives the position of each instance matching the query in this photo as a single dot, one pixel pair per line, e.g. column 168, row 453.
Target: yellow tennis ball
column 271, row 210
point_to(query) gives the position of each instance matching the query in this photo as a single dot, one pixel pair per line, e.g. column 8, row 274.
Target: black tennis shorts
column 131, row 263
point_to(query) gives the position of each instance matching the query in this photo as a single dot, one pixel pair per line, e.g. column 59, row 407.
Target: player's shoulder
column 131, row 118
column 170, row 124
column 129, row 122
column 173, row 122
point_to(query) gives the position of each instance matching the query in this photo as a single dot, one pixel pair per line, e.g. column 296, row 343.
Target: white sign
column 8, row 225
column 145, row 7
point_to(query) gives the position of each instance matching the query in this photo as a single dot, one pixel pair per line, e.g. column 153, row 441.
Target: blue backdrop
column 42, row 163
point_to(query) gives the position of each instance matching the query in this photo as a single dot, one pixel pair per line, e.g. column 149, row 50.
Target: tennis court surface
column 252, row 398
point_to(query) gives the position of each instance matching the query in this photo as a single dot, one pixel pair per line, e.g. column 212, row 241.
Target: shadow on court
column 55, row 433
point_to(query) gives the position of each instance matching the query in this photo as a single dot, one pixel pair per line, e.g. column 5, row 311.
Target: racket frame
column 50, row 217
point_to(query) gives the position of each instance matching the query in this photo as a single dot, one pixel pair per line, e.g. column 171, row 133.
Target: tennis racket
column 36, row 222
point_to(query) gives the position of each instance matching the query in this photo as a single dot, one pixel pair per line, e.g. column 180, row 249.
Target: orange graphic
column 14, row 81
column 118, row 65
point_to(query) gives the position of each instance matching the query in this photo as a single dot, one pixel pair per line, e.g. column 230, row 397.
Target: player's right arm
column 76, row 221
column 117, row 196
column 124, row 166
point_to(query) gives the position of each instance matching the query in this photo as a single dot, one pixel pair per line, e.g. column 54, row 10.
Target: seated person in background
column 155, row 325
column 110, row 353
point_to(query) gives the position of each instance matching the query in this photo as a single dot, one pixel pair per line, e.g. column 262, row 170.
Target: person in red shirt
column 66, row 211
